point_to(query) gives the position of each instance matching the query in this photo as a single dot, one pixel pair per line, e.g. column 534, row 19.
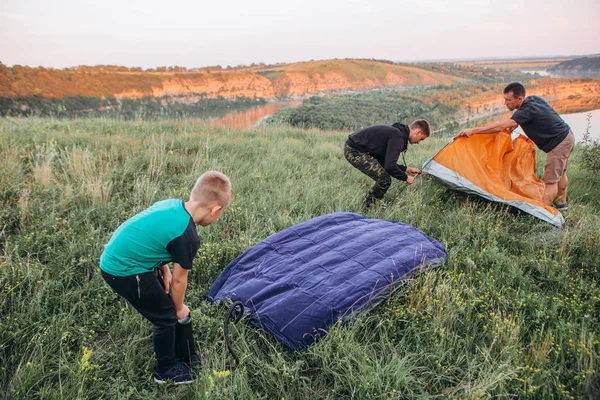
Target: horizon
column 68, row 33
column 454, row 60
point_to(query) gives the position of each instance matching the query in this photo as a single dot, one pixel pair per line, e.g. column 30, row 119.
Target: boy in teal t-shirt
column 135, row 265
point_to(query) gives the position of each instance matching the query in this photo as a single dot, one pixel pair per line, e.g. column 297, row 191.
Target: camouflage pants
column 368, row 165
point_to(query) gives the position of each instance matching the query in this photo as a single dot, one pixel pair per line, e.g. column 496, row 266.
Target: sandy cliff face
column 213, row 85
column 565, row 95
column 295, row 84
column 571, row 95
column 288, row 84
column 295, row 80
column 301, row 84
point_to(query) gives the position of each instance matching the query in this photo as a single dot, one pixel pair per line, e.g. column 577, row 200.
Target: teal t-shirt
column 163, row 233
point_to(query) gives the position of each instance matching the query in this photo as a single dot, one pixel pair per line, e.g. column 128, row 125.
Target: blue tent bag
column 296, row 283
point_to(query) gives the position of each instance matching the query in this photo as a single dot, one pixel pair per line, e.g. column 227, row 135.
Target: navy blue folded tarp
column 296, row 283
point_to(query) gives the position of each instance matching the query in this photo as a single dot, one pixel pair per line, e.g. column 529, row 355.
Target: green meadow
column 513, row 313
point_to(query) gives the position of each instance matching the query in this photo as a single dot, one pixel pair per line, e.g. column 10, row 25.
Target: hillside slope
column 587, row 67
column 288, row 80
column 565, row 95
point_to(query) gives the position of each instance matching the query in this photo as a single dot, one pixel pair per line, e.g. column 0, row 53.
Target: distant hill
column 584, row 67
column 275, row 81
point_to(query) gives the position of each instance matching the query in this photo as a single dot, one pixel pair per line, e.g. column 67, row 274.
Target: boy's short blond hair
column 212, row 187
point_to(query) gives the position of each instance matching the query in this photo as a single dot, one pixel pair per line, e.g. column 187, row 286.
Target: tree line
column 126, row 108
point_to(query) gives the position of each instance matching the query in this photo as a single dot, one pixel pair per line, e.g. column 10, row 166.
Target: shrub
column 590, row 154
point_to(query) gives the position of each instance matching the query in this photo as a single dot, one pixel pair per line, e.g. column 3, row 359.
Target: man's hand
column 409, row 180
column 466, row 132
column 167, row 278
column 413, row 171
column 183, row 312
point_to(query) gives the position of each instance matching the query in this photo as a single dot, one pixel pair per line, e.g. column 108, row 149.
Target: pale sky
column 151, row 33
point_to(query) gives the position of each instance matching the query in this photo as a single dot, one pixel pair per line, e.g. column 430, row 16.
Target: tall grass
column 514, row 312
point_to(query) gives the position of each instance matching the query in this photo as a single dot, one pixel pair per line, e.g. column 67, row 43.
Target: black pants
column 369, row 166
column 146, row 293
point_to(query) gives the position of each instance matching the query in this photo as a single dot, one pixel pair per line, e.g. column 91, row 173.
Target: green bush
column 350, row 112
column 590, row 154
column 147, row 107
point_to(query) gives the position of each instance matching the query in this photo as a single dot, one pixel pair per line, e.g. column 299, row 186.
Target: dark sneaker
column 179, row 374
column 561, row 207
column 195, row 360
column 370, row 201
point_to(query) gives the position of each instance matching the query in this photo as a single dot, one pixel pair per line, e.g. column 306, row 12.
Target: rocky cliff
column 290, row 80
column 565, row 95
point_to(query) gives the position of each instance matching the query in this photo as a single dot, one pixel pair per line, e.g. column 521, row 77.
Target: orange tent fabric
column 497, row 168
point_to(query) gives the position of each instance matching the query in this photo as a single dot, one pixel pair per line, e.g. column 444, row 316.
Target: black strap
column 235, row 313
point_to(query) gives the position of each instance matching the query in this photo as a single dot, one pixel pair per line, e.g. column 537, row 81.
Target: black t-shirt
column 541, row 123
column 184, row 247
column 384, row 143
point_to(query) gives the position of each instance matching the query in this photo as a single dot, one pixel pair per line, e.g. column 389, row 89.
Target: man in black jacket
column 375, row 150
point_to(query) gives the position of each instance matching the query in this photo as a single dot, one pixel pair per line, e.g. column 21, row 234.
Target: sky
column 152, row 33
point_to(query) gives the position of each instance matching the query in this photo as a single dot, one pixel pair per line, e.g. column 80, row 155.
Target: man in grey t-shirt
column 547, row 130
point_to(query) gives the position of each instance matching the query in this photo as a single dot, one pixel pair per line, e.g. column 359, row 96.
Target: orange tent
column 497, row 168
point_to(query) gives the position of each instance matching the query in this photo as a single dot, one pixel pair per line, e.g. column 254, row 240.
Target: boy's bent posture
column 143, row 246
column 375, row 150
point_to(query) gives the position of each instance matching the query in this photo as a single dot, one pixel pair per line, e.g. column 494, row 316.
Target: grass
column 514, row 312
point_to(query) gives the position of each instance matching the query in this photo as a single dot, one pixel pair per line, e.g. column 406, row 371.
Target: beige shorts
column 558, row 158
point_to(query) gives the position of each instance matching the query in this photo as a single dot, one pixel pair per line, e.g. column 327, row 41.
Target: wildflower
column 84, row 363
column 221, row 374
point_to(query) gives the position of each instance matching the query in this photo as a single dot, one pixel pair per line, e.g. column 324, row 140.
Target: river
column 541, row 72
column 579, row 122
column 248, row 118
